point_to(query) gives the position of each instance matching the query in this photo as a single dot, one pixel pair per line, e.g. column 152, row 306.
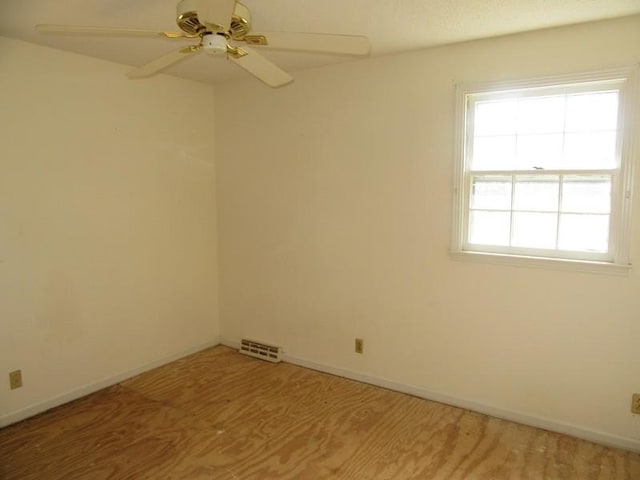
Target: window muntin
column 542, row 170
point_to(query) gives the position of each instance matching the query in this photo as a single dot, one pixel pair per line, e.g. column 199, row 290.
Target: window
column 545, row 170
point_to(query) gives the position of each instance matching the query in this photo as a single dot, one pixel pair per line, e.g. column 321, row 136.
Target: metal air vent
column 260, row 350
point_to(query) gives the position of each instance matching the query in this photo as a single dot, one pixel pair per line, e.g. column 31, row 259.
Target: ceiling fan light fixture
column 214, row 44
column 215, row 23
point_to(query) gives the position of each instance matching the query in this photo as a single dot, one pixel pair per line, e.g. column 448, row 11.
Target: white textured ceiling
column 392, row 25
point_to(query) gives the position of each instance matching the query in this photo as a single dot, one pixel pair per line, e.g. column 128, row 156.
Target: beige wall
column 334, row 207
column 107, row 223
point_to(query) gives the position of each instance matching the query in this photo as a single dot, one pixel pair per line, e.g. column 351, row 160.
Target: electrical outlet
column 359, row 345
column 15, row 379
column 635, row 403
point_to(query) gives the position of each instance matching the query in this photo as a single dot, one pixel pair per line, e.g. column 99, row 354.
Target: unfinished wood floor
column 220, row 415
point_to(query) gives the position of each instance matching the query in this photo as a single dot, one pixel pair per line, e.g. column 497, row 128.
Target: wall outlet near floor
column 635, row 403
column 359, row 345
column 15, row 379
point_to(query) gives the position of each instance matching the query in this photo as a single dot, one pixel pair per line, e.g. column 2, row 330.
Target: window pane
column 534, row 230
column 586, row 194
column 590, row 150
column 588, row 112
column 495, row 118
column 489, row 228
column 491, row 193
column 584, row 233
column 494, row 153
column 540, row 150
column 537, row 193
column 541, row 114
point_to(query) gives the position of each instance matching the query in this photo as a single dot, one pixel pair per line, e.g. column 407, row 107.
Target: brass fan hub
column 191, row 24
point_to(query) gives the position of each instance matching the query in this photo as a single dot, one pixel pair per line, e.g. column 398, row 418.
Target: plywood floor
column 220, row 415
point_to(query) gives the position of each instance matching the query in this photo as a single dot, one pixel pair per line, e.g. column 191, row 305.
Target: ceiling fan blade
column 163, row 62
column 107, row 31
column 259, row 66
column 215, row 14
column 312, row 42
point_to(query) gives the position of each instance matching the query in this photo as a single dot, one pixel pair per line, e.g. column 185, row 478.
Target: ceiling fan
column 223, row 28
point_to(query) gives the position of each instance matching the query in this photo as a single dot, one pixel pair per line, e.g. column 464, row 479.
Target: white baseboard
column 576, row 431
column 58, row 400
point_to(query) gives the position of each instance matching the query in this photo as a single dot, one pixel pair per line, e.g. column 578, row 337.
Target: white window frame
column 617, row 261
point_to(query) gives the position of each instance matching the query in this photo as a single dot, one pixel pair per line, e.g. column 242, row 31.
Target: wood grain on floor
column 220, row 415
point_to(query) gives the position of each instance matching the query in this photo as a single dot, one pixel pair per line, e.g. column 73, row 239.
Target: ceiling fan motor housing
column 214, row 44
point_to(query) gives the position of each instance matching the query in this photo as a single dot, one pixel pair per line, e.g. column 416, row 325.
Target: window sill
column 542, row 262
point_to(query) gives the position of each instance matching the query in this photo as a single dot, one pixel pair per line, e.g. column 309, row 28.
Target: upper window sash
column 549, row 128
